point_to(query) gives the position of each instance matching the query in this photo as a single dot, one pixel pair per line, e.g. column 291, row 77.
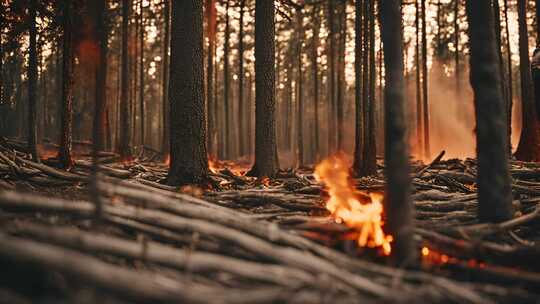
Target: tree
column 299, row 84
column 226, row 53
column 398, row 205
column 210, row 101
column 419, row 126
column 165, row 140
column 266, row 157
column 529, row 143
column 359, row 121
column 32, row 82
column 66, row 118
column 124, row 147
column 241, row 107
column 315, row 72
column 425, row 104
column 141, row 71
column 189, row 160
column 494, row 192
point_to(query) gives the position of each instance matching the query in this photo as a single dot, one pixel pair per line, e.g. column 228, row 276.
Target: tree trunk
column 226, row 105
column 299, row 89
column 504, row 83
column 315, row 76
column 398, row 205
column 189, row 160
column 529, row 142
column 494, row 191
column 537, row 6
column 3, row 104
column 101, row 37
column 510, row 86
column 141, row 72
column 370, row 150
column 66, row 116
column 419, row 116
column 340, row 84
column 241, row 107
column 358, row 100
column 124, row 147
column 425, row 77
column 32, row 84
column 211, row 29
column 331, row 78
column 266, row 157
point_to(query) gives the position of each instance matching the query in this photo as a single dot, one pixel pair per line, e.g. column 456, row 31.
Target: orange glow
column 46, row 152
column 425, row 251
column 167, row 160
column 363, row 214
column 213, row 166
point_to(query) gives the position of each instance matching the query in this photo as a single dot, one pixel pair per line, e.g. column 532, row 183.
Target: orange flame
column 213, row 166
column 345, row 205
column 167, row 160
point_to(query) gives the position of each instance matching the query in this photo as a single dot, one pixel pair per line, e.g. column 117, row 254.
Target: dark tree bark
column 266, row 157
column 315, row 76
column 32, row 83
column 210, row 101
column 370, row 149
column 299, row 88
column 101, row 37
column 189, row 160
column 529, row 142
column 425, row 77
column 331, row 83
column 398, row 205
column 494, row 192
column 340, row 84
column 510, row 100
column 124, row 147
column 359, row 109
column 66, row 117
column 419, row 116
column 504, row 83
column 165, row 80
column 226, row 52
column 241, row 106
column 141, row 73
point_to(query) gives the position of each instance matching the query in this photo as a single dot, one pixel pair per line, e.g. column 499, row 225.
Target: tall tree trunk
column 425, row 77
column 226, row 105
column 398, row 205
column 189, row 160
column 370, row 150
column 241, row 106
column 358, row 100
column 315, row 76
column 331, row 78
column 456, row 53
column 101, row 76
column 32, row 84
column 494, row 191
column 504, row 83
column 266, row 157
column 340, row 84
column 211, row 29
column 509, row 85
column 141, row 73
column 124, row 147
column 66, row 117
column 3, row 104
column 419, row 116
column 529, row 142
column 299, row 88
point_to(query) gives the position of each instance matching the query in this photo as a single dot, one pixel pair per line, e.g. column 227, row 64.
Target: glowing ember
column 345, row 205
column 213, row 166
column 167, row 160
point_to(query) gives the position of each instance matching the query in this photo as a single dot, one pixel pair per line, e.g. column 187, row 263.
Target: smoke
column 451, row 115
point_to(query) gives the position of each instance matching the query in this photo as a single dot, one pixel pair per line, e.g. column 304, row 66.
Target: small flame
column 213, row 166
column 346, row 207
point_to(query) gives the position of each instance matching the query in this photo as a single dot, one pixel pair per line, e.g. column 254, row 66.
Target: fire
column 363, row 215
column 213, row 166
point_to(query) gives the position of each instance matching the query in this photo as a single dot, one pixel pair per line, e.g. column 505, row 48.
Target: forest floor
column 248, row 240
